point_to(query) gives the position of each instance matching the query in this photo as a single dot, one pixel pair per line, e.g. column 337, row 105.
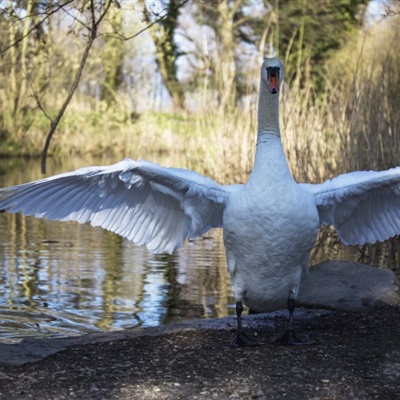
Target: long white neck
column 270, row 162
column 268, row 113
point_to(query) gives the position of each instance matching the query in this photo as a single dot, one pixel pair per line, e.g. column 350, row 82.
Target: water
column 59, row 279
column 63, row 279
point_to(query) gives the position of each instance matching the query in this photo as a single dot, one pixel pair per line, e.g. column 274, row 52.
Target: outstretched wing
column 363, row 206
column 151, row 205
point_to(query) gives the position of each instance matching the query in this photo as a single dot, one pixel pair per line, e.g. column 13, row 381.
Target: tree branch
column 35, row 26
column 54, row 122
column 126, row 38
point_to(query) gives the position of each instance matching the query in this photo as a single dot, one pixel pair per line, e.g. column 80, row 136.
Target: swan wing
column 363, row 206
column 151, row 205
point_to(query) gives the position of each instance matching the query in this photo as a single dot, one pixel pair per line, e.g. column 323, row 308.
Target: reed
column 372, row 111
column 353, row 124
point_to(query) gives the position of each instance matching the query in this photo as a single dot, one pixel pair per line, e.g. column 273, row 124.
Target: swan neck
column 268, row 114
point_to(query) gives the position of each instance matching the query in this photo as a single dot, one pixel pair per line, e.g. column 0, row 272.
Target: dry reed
column 353, row 124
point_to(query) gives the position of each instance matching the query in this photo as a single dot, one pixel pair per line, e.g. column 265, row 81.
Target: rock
column 348, row 286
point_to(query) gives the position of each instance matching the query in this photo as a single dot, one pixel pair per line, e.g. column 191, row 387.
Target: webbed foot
column 243, row 340
column 289, row 338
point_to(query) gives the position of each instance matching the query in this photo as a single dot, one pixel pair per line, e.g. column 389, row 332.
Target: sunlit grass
column 353, row 124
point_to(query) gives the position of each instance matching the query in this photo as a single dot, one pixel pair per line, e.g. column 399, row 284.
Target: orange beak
column 273, row 84
column 273, row 79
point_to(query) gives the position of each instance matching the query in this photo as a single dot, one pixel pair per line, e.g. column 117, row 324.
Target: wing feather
column 142, row 201
column 363, row 206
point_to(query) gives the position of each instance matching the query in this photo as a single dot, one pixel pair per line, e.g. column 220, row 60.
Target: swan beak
column 273, row 79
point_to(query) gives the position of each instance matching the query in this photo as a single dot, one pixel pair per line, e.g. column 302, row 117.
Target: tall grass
column 372, row 111
column 353, row 124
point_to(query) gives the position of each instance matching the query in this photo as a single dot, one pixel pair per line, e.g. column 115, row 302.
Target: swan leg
column 289, row 338
column 241, row 339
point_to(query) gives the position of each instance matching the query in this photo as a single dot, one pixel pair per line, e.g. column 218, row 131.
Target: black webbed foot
column 243, row 340
column 289, row 338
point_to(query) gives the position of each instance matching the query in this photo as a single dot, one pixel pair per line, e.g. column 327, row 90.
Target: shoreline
column 356, row 355
column 353, row 317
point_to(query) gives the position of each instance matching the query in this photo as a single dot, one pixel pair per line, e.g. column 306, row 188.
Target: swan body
column 269, row 230
column 270, row 223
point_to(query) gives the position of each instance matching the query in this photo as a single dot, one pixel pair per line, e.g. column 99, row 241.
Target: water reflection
column 60, row 279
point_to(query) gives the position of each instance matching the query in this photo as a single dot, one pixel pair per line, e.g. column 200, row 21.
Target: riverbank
column 356, row 354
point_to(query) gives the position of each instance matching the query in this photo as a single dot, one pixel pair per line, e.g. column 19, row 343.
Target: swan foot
column 243, row 340
column 289, row 338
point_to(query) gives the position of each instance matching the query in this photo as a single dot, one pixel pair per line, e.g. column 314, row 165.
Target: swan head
column 272, row 73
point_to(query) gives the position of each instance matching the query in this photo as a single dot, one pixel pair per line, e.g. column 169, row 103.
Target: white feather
column 151, row 205
column 363, row 206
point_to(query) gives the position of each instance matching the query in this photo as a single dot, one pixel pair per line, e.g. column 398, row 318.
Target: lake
column 63, row 279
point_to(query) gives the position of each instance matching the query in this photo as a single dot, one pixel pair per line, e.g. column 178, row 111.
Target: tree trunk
column 167, row 52
column 113, row 57
column 226, row 71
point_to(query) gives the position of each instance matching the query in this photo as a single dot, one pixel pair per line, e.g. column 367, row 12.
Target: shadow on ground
column 356, row 355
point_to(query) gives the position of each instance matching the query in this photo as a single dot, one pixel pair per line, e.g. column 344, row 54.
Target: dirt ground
column 356, row 355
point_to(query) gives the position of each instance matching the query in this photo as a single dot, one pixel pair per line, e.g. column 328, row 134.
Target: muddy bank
column 356, row 355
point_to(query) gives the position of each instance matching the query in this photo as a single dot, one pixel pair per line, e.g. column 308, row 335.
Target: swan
column 269, row 224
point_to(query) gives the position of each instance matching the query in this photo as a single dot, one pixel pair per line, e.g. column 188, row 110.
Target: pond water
column 63, row 279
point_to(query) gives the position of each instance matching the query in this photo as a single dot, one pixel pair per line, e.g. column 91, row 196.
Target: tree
column 162, row 30
column 38, row 64
column 310, row 31
column 112, row 58
column 303, row 32
column 95, row 17
column 18, row 60
column 219, row 57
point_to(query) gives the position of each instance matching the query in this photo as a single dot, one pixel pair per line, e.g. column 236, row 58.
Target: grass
column 353, row 124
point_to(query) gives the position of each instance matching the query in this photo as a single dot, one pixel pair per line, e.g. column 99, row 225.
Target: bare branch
column 35, row 26
column 152, row 23
column 389, row 12
column 38, row 100
column 92, row 37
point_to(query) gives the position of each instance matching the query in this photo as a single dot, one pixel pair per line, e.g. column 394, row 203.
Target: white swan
column 270, row 223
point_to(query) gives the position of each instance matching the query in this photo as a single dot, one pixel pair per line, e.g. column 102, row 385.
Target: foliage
column 119, row 105
column 112, row 57
column 303, row 32
column 371, row 78
column 310, row 31
column 167, row 51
